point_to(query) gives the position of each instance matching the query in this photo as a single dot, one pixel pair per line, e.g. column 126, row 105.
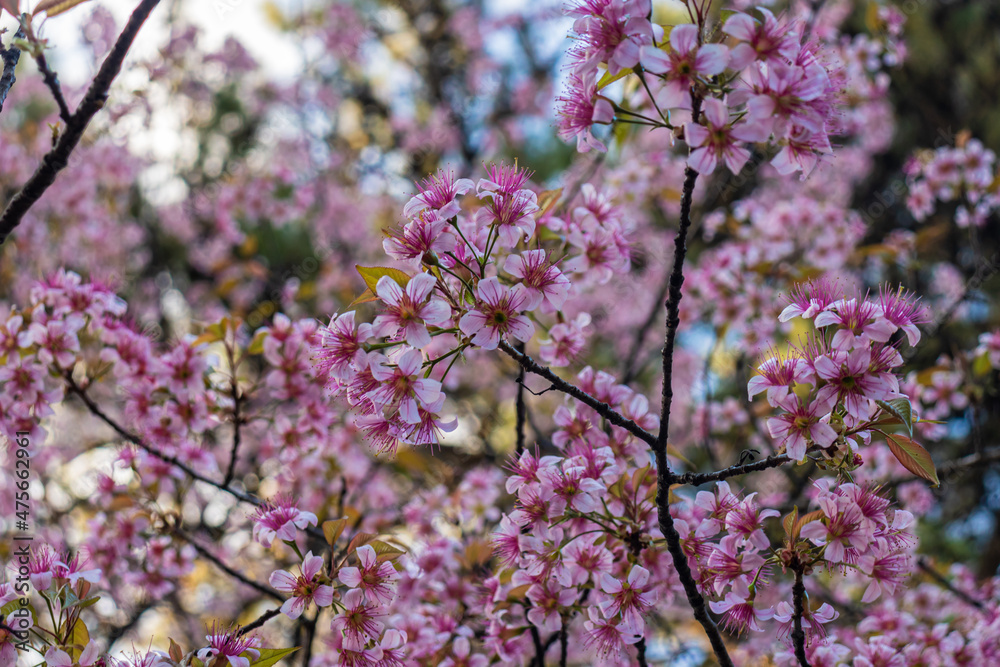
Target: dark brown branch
column 522, row 409
column 798, row 602
column 10, row 57
column 602, row 409
column 664, row 476
column 696, row 479
column 563, row 644
column 52, row 81
column 260, row 588
column 264, row 618
column 58, row 158
column 957, row 592
column 536, row 638
column 231, row 470
column 138, row 442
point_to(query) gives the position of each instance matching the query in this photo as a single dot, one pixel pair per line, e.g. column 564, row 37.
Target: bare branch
column 58, row 158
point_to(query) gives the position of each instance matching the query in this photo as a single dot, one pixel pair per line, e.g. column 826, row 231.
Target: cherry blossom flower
column 278, row 518
column 543, row 281
column 630, row 599
column 813, row 620
column 230, row 645
column 304, row 588
column 438, row 192
column 683, row 64
column 410, row 310
column 717, row 140
column 579, row 109
column 801, row 424
column 360, row 621
column 768, row 42
column 373, row 578
column 419, row 239
column 497, row 315
column 739, row 611
column 401, row 384
column 608, row 636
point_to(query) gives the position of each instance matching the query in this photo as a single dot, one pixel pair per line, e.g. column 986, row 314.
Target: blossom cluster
column 964, row 174
column 847, row 364
column 482, row 276
column 771, row 84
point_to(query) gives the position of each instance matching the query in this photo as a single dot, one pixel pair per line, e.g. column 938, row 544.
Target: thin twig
column 52, row 81
column 696, row 479
column 539, row 649
column 959, row 593
column 264, row 618
column 603, row 409
column 235, row 391
column 563, row 644
column 798, row 601
column 58, row 158
column 138, row 442
column 522, row 409
column 640, row 649
column 260, row 588
column 10, row 57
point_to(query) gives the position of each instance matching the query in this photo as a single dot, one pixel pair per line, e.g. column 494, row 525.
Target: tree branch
column 264, row 618
column 260, row 588
column 231, row 470
column 798, row 600
column 522, row 409
column 664, row 476
column 957, row 592
column 138, row 442
column 697, row 479
column 602, row 409
column 52, row 81
column 58, row 158
column 10, row 57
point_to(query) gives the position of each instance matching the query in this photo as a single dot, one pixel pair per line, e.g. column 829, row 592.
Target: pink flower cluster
column 769, row 86
column 484, row 276
column 964, row 174
column 848, row 365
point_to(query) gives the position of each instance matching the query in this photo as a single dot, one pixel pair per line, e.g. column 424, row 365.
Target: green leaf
column 269, row 656
column 359, row 540
column 385, row 551
column 789, row 521
column 371, row 275
column 332, row 530
column 257, row 344
column 78, row 640
column 901, row 410
column 610, row 78
column 55, row 7
column 913, row 457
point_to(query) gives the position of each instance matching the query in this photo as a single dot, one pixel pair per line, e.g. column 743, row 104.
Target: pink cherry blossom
column 497, row 315
column 304, row 588
column 409, row 311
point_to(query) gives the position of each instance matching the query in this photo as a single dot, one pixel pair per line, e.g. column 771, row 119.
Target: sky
column 244, row 19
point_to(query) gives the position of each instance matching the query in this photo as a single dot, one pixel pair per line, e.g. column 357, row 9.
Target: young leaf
column 913, row 457
column 10, row 6
column 789, row 521
column 901, row 410
column 78, row 640
column 610, row 78
column 371, row 274
column 269, row 656
column 385, row 551
column 55, row 7
column 332, row 530
column 359, row 540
